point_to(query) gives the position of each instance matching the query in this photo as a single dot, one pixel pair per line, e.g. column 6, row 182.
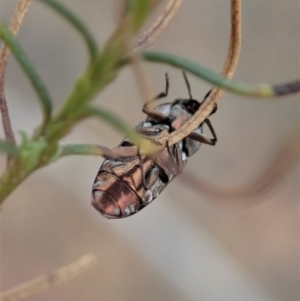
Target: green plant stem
column 43, row 148
column 10, row 179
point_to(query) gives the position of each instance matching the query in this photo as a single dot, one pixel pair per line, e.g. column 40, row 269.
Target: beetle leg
column 178, row 158
column 150, row 112
column 142, row 171
column 165, row 93
column 214, row 109
column 207, row 121
column 215, row 105
column 146, row 184
column 187, row 84
column 153, row 174
column 202, row 138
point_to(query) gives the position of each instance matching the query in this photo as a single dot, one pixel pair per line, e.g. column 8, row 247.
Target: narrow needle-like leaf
column 75, row 22
column 112, row 119
column 144, row 144
column 96, row 150
column 44, row 97
column 260, row 90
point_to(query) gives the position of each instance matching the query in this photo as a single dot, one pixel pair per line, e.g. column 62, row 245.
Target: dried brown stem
column 148, row 37
column 263, row 183
column 216, row 93
column 157, row 28
column 14, row 27
column 228, row 70
column 143, row 79
column 59, row 276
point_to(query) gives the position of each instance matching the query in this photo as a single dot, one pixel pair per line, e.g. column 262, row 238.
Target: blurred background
column 185, row 245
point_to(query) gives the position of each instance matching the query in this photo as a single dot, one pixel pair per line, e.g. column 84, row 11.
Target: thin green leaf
column 39, row 87
column 75, row 22
column 260, row 90
column 9, row 148
column 80, row 149
column 144, row 144
column 96, row 150
column 103, row 69
column 112, row 119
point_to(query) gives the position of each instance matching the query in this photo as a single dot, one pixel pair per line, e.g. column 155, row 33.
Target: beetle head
column 191, row 105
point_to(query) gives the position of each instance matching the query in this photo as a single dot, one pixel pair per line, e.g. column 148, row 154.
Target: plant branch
column 43, row 147
column 14, row 26
column 158, row 26
column 148, row 38
column 63, row 274
column 228, row 70
column 100, row 72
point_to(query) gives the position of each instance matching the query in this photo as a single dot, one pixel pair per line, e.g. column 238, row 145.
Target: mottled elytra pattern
column 124, row 186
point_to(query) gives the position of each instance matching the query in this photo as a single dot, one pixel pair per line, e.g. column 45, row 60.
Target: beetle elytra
column 124, row 186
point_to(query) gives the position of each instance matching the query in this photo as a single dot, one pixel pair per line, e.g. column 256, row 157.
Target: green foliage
column 260, row 90
column 42, row 147
column 39, row 87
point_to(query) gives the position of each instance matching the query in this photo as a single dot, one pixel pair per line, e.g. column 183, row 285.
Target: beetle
column 125, row 185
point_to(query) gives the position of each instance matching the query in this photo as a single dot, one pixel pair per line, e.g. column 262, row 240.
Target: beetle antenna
column 187, row 84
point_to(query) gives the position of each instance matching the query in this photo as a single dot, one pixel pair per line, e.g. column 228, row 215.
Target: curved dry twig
column 157, row 27
column 271, row 175
column 14, row 26
column 148, row 37
column 228, row 70
column 59, row 276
